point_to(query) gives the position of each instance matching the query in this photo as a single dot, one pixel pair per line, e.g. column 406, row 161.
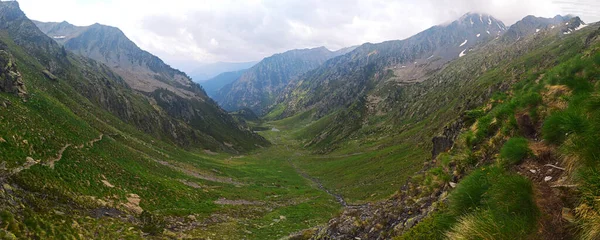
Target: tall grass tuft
column 514, row 151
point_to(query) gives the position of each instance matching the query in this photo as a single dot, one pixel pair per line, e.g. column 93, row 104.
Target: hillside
column 213, row 85
column 170, row 92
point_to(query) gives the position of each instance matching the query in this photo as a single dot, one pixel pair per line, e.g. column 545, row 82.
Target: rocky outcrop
column 10, row 78
column 444, row 142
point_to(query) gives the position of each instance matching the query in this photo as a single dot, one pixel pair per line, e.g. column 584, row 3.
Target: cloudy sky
column 187, row 32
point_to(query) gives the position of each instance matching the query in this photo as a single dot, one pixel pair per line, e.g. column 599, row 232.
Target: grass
column 514, row 151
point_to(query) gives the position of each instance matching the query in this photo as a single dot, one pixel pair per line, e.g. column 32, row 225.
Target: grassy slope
column 567, row 121
column 51, row 203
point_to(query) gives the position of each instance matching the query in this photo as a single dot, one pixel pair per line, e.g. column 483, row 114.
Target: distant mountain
column 341, row 81
column 208, row 71
column 168, row 89
column 259, row 87
column 213, row 85
column 531, row 25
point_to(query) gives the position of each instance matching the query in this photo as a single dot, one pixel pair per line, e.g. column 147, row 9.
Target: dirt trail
column 50, row 162
column 546, row 175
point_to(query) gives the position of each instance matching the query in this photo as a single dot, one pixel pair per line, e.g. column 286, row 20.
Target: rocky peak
column 10, row 10
column 531, row 25
column 572, row 25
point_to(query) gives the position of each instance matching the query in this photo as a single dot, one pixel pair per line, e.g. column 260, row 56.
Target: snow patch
column 488, row 32
column 580, row 27
column 552, row 27
column 489, row 21
column 480, row 19
column 471, row 19
column 59, row 37
column 462, row 44
column 537, row 30
column 478, row 34
column 462, row 53
column 430, row 57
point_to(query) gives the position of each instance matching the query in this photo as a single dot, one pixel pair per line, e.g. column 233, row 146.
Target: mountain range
column 258, row 87
column 209, row 71
column 468, row 130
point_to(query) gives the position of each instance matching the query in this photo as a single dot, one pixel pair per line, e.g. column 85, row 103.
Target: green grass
column 514, row 151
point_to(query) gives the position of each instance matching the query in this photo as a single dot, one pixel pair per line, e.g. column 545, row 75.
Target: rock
column 282, row 218
column 547, row 178
column 25, row 142
column 3, row 166
column 2, row 140
column 191, row 217
column 106, row 183
column 452, row 184
column 445, row 142
column 133, row 204
column 532, row 171
column 411, row 222
column 10, row 78
column 568, row 215
column 49, row 75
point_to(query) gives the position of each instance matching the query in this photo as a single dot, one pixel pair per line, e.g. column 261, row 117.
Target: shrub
column 151, row 224
column 505, row 209
column 468, row 194
column 559, row 125
column 514, row 151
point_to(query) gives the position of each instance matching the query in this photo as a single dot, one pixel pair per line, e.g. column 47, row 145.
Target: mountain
column 209, row 71
column 531, row 25
column 483, row 126
column 171, row 92
column 260, row 85
column 340, row 81
column 213, row 85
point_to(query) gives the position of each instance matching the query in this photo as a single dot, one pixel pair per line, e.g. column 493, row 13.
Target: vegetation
column 514, row 151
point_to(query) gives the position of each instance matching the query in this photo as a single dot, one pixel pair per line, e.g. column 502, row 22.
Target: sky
column 186, row 33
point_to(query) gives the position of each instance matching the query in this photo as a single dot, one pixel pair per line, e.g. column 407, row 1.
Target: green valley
column 471, row 129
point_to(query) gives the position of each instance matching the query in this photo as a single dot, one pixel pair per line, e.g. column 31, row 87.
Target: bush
column 469, row 192
column 514, row 151
column 559, row 125
column 151, row 224
column 493, row 205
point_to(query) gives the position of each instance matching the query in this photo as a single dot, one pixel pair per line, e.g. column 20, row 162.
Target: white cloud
column 183, row 31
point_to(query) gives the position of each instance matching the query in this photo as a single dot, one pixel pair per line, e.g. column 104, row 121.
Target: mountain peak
column 10, row 10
